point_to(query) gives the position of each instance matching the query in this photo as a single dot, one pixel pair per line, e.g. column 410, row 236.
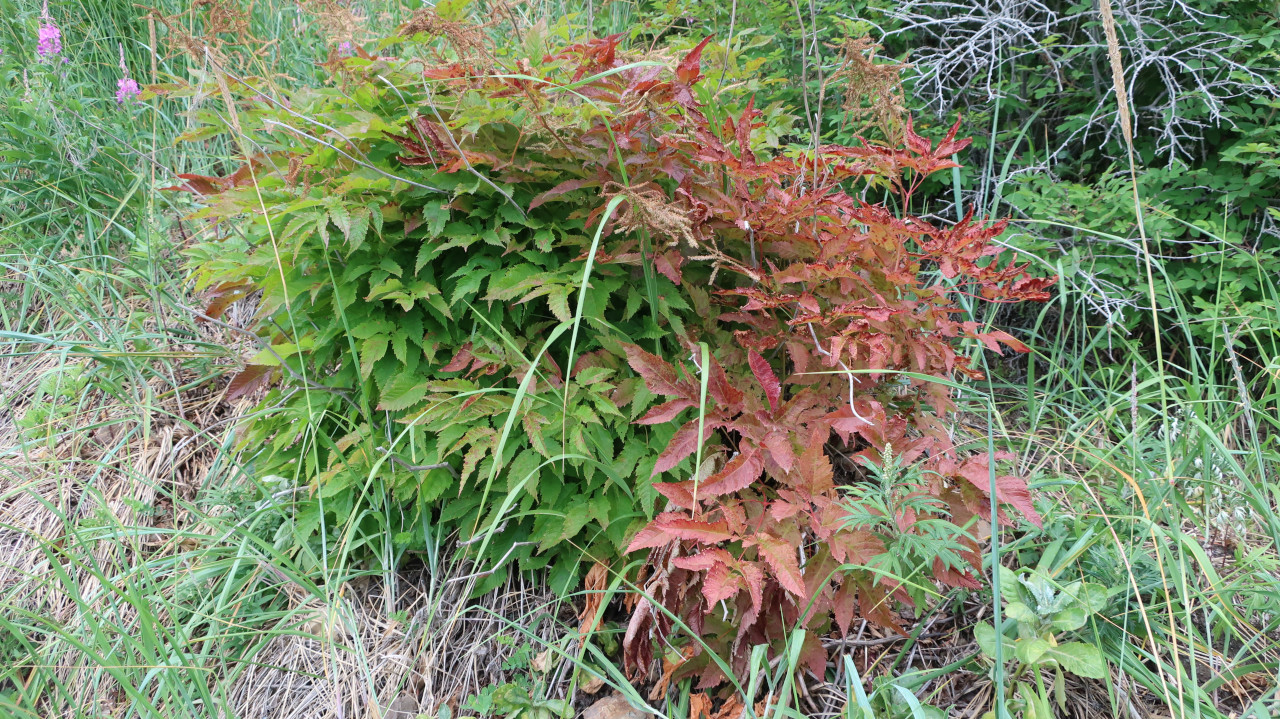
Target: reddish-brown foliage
column 818, row 302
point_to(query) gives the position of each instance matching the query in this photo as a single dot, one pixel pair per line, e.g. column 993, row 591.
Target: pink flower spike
column 49, row 40
column 127, row 90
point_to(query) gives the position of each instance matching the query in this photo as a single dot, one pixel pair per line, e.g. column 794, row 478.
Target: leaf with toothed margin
column 251, row 378
column 690, row 68
column 781, row 558
column 669, row 527
column 684, row 443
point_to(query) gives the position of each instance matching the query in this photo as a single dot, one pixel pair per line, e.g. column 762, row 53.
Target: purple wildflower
column 128, row 90
column 50, row 40
column 344, row 48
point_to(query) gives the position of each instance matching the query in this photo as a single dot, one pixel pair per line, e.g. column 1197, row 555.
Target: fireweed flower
column 127, row 89
column 49, row 41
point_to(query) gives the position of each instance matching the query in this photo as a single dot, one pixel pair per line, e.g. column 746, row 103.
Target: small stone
column 404, row 706
column 614, row 706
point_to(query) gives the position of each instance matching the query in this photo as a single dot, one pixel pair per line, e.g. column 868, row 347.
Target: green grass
column 146, row 573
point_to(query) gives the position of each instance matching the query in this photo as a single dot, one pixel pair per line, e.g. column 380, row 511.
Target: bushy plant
column 481, row 268
column 838, row 294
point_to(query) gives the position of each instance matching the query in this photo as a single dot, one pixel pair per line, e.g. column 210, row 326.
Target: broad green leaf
column 1069, row 619
column 558, row 302
column 1094, row 597
column 1029, row 651
column 340, row 216
column 404, row 391
column 985, row 635
column 1081, row 659
column 358, row 228
column 372, row 350
column 1021, row 613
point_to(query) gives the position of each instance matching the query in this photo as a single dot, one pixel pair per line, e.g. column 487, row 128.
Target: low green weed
column 1042, row 612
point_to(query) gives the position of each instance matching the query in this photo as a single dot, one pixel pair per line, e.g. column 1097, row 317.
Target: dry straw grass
column 354, row 657
column 83, row 490
column 120, row 484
